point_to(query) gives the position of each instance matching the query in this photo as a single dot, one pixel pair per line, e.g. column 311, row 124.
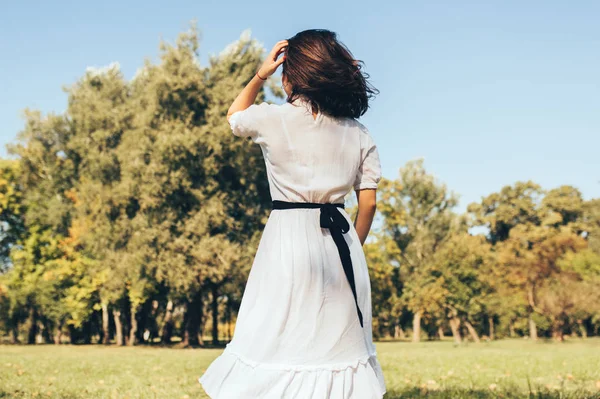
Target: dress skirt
column 298, row 334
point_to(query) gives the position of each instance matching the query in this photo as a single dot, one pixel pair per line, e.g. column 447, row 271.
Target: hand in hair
column 271, row 63
column 248, row 95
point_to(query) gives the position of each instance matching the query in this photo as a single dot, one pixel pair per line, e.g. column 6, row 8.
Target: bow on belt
column 331, row 218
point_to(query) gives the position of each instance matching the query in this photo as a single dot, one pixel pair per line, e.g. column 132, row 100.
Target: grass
column 503, row 369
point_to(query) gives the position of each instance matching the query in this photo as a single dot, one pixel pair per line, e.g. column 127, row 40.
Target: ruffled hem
column 232, row 375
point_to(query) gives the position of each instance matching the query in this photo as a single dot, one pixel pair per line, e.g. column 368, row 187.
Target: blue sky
column 487, row 92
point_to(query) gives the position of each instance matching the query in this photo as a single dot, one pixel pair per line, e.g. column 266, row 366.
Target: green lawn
column 504, row 369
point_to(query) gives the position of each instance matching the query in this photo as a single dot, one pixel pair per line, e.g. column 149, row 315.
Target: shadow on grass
column 415, row 392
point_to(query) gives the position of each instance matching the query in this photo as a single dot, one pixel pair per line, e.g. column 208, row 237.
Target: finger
column 279, row 61
column 281, row 54
column 280, row 51
column 282, row 44
column 277, row 48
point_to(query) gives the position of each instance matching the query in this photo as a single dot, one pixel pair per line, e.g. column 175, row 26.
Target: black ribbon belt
column 331, row 219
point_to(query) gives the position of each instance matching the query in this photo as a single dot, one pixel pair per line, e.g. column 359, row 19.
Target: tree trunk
column 511, row 329
column 582, row 329
column 167, row 329
column 58, row 333
column 105, row 324
column 46, row 330
column 228, row 318
column 215, row 315
column 557, row 334
column 531, row 299
column 33, row 327
column 14, row 332
column 152, row 330
column 491, row 325
column 441, row 333
column 557, row 329
column 86, row 332
column 532, row 328
column 134, row 327
column 472, row 332
column 118, row 327
column 201, row 327
column 142, row 321
column 417, row 327
column 399, row 332
column 193, row 316
column 71, row 334
column 455, row 327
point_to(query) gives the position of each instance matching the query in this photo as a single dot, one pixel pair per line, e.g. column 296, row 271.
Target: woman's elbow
column 367, row 200
column 373, row 206
column 369, row 205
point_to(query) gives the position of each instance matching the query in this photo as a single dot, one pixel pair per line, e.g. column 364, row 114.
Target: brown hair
column 322, row 69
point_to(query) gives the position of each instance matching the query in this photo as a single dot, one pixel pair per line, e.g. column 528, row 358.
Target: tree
column 418, row 217
column 530, row 257
column 239, row 171
column 580, row 272
column 46, row 173
column 531, row 230
column 458, row 270
column 99, row 115
column 384, row 293
column 500, row 212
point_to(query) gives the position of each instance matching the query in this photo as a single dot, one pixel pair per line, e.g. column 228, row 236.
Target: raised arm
column 367, row 204
column 248, row 95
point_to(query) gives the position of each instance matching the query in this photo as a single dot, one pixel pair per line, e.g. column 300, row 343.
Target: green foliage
column 12, row 210
column 418, row 218
column 138, row 189
column 591, row 220
column 512, row 206
column 460, row 267
column 536, row 236
column 384, row 291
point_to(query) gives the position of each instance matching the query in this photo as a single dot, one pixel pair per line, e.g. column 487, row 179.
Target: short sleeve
column 252, row 121
column 369, row 171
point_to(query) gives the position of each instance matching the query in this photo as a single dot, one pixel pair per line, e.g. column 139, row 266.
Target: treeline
column 133, row 217
column 522, row 262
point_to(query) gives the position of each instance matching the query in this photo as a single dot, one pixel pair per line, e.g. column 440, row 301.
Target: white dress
column 297, row 333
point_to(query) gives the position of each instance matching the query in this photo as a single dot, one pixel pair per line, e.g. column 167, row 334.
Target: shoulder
column 361, row 127
column 255, row 115
column 255, row 120
column 366, row 139
column 264, row 108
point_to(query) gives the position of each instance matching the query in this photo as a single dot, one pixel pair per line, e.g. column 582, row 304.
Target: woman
column 304, row 324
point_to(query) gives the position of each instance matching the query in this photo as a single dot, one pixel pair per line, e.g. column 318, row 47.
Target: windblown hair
column 323, row 71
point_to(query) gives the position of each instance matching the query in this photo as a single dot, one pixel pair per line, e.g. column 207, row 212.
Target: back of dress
column 300, row 331
column 310, row 159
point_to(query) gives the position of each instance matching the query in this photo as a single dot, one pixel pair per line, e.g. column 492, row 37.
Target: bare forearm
column 246, row 97
column 363, row 222
column 366, row 213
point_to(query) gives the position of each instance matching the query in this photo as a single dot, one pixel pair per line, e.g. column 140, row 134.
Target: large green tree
column 531, row 231
column 418, row 217
column 47, row 171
